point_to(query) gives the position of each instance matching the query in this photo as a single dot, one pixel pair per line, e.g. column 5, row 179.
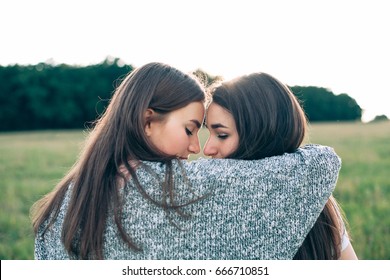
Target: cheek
column 176, row 143
column 164, row 139
column 230, row 146
column 182, row 140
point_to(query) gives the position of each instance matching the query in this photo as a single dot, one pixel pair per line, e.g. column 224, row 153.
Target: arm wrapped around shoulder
column 323, row 167
column 278, row 199
column 312, row 163
column 252, row 209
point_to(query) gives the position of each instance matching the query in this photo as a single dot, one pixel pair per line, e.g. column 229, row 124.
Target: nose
column 209, row 149
column 194, row 147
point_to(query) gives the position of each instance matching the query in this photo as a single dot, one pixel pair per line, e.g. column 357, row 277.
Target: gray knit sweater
column 253, row 209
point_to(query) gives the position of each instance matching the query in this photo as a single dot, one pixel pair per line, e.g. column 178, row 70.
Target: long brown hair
column 118, row 136
column 323, row 242
column 270, row 121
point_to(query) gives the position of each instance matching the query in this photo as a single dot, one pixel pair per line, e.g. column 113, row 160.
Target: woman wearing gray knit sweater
column 132, row 194
column 238, row 119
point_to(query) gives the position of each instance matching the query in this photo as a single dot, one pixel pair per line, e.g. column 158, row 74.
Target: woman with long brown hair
column 256, row 116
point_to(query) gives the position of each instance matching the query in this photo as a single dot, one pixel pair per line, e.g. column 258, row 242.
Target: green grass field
column 31, row 163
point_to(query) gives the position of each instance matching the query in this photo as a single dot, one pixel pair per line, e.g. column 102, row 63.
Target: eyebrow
column 218, row 125
column 196, row 122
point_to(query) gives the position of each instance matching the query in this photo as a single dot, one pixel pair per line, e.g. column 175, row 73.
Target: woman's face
column 177, row 134
column 223, row 139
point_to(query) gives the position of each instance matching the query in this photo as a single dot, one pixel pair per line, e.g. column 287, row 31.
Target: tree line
column 47, row 96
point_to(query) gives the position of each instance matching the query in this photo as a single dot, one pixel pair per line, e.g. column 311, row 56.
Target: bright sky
column 340, row 45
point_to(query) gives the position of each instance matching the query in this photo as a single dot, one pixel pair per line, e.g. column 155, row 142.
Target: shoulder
column 319, row 153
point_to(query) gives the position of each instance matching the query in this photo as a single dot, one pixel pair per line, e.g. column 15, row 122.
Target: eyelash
column 189, row 133
column 222, row 136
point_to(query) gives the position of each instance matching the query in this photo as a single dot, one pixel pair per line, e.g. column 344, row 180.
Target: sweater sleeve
column 308, row 175
column 260, row 209
column 315, row 165
column 283, row 195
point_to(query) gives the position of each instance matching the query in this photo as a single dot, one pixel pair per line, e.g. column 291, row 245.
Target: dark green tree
column 320, row 104
column 45, row 96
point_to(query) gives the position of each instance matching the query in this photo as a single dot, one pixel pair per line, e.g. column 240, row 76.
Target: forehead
column 193, row 111
column 218, row 114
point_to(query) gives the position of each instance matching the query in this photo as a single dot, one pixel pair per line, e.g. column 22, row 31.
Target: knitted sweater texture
column 259, row 209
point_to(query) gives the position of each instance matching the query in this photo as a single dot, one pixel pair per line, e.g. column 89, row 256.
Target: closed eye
column 222, row 136
column 188, row 132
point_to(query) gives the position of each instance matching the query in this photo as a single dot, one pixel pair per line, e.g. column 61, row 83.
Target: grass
column 363, row 188
column 31, row 163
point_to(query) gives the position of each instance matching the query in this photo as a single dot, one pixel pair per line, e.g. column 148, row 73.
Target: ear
column 148, row 117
